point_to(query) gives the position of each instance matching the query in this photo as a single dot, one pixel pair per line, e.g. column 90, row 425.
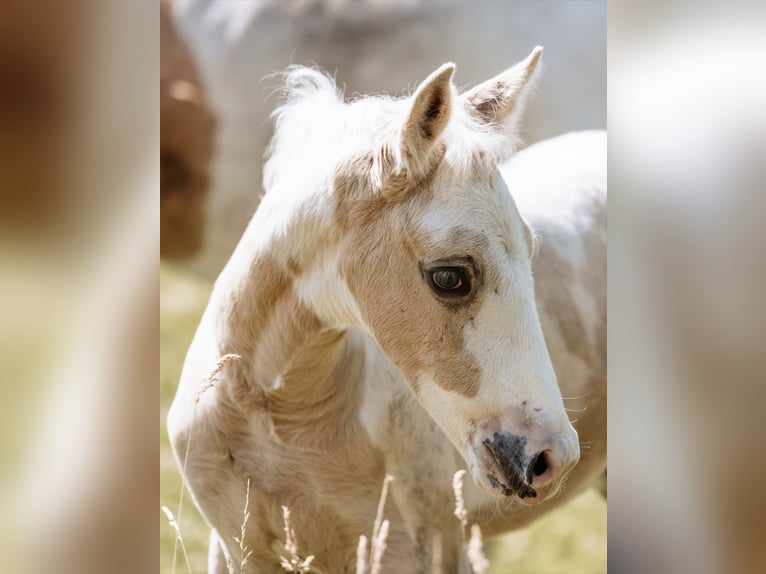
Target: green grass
column 570, row 540
column 182, row 300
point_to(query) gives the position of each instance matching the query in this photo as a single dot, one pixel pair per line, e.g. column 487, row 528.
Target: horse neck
column 299, row 358
column 318, row 402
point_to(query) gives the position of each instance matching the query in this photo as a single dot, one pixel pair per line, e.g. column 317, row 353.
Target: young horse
column 382, row 305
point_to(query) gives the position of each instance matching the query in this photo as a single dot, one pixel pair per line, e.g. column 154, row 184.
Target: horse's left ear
column 428, row 116
column 500, row 101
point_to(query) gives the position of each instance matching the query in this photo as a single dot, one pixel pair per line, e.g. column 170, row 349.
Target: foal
column 382, row 307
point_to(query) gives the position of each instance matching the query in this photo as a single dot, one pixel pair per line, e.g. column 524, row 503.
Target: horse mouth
column 513, row 478
column 524, row 492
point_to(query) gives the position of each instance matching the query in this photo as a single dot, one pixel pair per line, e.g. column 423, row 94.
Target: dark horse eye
column 450, row 281
column 447, row 279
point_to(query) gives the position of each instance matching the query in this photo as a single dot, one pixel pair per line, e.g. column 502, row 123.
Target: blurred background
column 83, row 160
column 217, row 83
column 79, row 238
column 687, row 278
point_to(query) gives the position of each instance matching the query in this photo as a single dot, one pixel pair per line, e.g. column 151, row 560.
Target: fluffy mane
column 316, row 128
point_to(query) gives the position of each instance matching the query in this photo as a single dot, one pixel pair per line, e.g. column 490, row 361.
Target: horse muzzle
column 527, row 460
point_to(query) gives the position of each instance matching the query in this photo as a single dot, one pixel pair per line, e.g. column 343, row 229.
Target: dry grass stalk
column 381, row 504
column 475, row 553
column 174, row 525
column 436, row 553
column 212, row 377
column 479, row 562
column 361, row 555
column 371, row 562
column 460, row 512
column 376, row 541
column 207, row 383
column 243, row 550
column 379, row 548
column 296, row 563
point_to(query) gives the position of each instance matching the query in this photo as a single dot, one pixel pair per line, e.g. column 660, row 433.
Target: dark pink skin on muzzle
column 524, row 456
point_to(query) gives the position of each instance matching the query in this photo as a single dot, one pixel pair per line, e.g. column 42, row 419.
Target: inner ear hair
column 503, row 97
column 428, row 117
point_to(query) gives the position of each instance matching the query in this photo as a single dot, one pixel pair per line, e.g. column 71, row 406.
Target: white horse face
column 441, row 272
column 445, row 286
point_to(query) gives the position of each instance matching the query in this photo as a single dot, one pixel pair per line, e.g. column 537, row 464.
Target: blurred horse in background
column 186, row 145
column 377, row 47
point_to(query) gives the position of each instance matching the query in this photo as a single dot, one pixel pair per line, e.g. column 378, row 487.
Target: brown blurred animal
column 186, row 144
column 40, row 68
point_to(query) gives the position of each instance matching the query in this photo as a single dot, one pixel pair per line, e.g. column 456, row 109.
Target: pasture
column 570, row 540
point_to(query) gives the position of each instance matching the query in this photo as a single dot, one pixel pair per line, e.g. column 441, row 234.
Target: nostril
column 540, row 466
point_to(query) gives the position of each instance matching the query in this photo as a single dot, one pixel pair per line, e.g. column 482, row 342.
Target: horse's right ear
column 428, row 115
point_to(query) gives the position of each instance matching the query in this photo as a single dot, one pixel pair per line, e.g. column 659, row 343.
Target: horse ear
column 428, row 116
column 500, row 100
